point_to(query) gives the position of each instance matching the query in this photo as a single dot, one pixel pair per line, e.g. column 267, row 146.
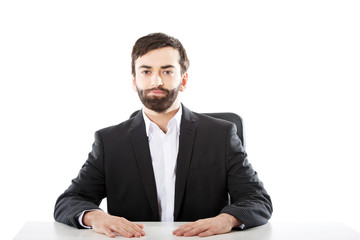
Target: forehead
column 159, row 57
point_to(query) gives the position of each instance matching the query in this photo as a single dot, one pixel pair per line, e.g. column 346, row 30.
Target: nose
column 156, row 80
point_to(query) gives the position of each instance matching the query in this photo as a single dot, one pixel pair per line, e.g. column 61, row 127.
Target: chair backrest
column 228, row 116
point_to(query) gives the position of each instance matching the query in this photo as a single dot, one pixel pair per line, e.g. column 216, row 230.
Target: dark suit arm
column 86, row 191
column 250, row 202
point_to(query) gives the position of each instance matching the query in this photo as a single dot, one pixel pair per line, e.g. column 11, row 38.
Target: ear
column 134, row 83
column 184, row 82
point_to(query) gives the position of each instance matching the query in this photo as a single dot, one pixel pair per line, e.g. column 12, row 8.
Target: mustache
column 157, row 89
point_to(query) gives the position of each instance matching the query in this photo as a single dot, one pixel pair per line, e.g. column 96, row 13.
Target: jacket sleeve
column 86, row 191
column 249, row 201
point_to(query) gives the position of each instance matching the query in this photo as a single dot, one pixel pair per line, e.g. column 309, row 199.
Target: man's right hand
column 110, row 225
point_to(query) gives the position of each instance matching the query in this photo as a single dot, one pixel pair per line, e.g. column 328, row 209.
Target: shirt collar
column 175, row 120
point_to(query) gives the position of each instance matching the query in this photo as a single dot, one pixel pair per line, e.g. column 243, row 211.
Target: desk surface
column 163, row 231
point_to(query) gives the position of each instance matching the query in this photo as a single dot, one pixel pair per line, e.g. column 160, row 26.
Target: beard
column 155, row 103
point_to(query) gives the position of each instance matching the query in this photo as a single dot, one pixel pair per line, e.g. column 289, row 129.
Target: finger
column 207, row 233
column 139, row 228
column 128, row 231
column 195, row 231
column 192, row 226
column 121, row 231
column 184, row 226
column 133, row 228
column 108, row 232
column 177, row 230
column 140, row 225
column 132, row 231
column 182, row 232
column 179, row 233
column 104, row 230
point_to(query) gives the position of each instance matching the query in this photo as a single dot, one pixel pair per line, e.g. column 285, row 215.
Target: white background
column 289, row 68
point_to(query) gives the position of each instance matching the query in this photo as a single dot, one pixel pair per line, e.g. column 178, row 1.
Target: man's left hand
column 220, row 224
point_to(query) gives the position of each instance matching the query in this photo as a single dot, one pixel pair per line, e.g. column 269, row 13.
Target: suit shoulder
column 213, row 121
column 115, row 129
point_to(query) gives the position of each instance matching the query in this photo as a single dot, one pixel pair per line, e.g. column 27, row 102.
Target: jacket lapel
column 186, row 142
column 140, row 145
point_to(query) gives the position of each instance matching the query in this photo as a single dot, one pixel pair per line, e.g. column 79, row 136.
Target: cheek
column 134, row 87
column 140, row 83
column 134, row 84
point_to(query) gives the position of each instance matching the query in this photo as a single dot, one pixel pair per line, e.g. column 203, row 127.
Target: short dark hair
column 154, row 41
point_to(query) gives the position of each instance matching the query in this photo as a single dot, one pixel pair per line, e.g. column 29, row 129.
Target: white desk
column 163, row 231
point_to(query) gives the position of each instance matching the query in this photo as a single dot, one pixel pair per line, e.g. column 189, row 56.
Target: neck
column 162, row 119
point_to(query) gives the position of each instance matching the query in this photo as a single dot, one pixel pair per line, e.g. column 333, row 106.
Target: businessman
column 165, row 164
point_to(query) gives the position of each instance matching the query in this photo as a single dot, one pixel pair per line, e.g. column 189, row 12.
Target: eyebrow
column 162, row 67
column 145, row 66
column 167, row 66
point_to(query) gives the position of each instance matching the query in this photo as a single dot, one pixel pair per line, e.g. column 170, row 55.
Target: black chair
column 228, row 116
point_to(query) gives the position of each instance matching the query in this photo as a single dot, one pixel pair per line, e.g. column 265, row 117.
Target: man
column 166, row 163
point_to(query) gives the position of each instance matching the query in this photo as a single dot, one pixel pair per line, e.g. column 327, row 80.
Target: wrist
column 233, row 221
column 91, row 216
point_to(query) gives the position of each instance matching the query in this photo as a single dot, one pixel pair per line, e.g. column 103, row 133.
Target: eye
column 167, row 72
column 146, row 72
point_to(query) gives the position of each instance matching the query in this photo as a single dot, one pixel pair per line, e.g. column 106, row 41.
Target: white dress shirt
column 164, row 149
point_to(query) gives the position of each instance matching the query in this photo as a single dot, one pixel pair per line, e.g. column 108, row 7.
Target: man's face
column 158, row 79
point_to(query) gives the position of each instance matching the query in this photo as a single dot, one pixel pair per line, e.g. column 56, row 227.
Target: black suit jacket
column 211, row 165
